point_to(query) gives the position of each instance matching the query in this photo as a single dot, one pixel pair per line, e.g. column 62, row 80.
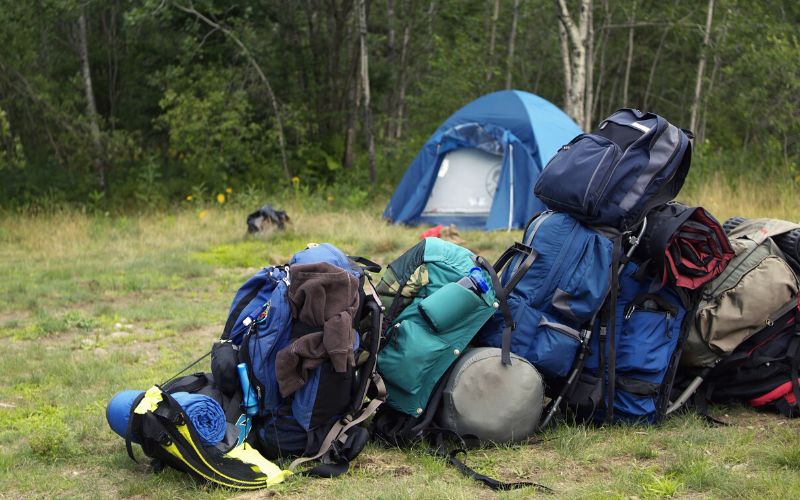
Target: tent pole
column 511, row 194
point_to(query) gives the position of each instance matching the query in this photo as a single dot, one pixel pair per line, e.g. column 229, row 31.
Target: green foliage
column 11, row 153
column 184, row 110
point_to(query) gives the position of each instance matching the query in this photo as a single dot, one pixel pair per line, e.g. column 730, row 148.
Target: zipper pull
column 669, row 330
column 629, row 313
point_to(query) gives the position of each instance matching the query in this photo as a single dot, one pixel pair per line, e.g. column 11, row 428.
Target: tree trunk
column 362, row 29
column 492, row 38
column 700, row 134
column 653, row 67
column 91, row 106
column 575, row 44
column 701, row 66
column 589, row 96
column 511, row 39
column 402, row 84
column 354, row 105
column 627, row 80
column 563, row 40
column 390, row 21
column 431, row 17
column 595, row 97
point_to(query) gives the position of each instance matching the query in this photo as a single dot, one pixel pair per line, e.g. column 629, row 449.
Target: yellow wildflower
column 189, row 197
column 228, row 190
column 220, row 198
column 202, row 214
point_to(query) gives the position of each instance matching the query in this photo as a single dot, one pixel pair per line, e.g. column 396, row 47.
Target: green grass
column 90, row 305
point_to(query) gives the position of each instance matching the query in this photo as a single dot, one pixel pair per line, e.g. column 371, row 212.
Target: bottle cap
column 477, row 275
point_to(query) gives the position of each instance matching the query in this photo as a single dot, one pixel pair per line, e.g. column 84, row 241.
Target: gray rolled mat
column 491, row 401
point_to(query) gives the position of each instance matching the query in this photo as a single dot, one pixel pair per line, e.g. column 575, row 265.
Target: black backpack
column 763, row 371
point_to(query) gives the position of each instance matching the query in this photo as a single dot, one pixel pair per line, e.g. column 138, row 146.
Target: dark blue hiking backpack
column 318, row 421
column 554, row 282
column 650, row 332
column 613, row 176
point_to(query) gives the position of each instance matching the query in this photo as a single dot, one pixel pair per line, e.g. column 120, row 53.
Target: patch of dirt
column 12, row 316
column 379, row 465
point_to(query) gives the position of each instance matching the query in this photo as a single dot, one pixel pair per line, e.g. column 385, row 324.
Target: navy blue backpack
column 319, row 421
column 613, row 176
column 554, row 283
column 647, row 347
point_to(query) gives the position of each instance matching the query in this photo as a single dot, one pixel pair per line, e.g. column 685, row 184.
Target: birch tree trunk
column 511, row 40
column 91, row 106
column 701, row 67
column 575, row 45
column 589, row 95
column 492, row 38
column 362, row 29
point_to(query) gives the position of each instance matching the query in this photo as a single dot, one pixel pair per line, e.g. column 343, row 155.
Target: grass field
column 90, row 305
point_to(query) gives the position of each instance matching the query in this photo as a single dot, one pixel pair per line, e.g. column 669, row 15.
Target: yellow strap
column 150, row 401
column 245, row 453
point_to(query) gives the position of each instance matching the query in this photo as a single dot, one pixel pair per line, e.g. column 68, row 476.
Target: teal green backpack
column 431, row 319
column 438, row 295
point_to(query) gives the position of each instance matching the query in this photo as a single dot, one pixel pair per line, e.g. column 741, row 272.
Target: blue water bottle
column 475, row 281
column 249, row 399
column 249, row 404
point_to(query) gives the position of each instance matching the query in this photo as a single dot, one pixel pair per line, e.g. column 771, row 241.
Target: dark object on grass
column 266, row 216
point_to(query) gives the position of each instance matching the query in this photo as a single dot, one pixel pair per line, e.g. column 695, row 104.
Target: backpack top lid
column 326, row 252
column 612, row 177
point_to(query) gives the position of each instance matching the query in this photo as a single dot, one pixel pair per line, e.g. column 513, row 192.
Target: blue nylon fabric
column 265, row 282
column 272, row 334
column 532, row 127
column 645, row 343
column 611, row 187
column 571, row 259
column 205, row 414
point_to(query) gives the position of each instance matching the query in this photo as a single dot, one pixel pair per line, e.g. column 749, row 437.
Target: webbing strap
column 612, row 329
column 338, row 431
column 502, row 292
column 494, row 484
column 794, row 354
column 340, row 428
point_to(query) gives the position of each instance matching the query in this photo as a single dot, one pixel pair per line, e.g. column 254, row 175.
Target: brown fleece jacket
column 320, row 296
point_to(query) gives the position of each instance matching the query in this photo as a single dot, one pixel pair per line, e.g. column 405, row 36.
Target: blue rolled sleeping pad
column 204, row 412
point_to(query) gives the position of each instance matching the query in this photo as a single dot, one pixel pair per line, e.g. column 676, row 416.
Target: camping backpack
column 273, row 339
column 282, row 349
column 556, row 281
column 650, row 332
column 763, row 371
column 438, row 296
column 755, row 290
column 633, row 162
column 430, row 321
column 740, row 343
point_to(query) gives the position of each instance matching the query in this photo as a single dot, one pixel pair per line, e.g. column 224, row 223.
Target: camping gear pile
column 619, row 305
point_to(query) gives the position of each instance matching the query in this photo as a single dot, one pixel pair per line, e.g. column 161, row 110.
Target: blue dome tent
column 479, row 167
